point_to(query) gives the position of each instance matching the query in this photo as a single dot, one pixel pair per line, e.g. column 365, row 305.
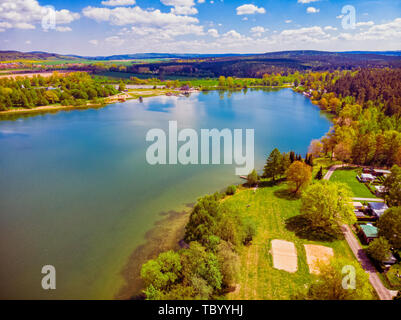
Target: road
column 382, row 291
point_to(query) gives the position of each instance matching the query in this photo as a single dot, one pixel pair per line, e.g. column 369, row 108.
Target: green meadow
column 273, row 207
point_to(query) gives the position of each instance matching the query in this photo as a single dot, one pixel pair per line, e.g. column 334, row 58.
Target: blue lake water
column 77, row 193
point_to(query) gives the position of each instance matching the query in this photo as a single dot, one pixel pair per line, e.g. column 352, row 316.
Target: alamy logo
column 49, row 18
column 49, row 280
column 349, row 17
column 192, row 151
column 349, row 281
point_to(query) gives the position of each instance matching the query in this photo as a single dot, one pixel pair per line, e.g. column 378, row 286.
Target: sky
column 107, row 27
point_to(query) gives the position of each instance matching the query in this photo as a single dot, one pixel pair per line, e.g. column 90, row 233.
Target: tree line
column 72, row 89
column 367, row 108
column 209, row 265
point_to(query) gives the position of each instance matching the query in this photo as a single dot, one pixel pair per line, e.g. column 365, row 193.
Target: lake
column 77, row 193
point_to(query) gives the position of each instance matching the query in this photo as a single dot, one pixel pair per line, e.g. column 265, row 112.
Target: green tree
column 274, row 165
column 253, row 178
column 299, row 175
column 330, row 283
column 229, row 263
column 327, row 204
column 379, row 249
column 222, row 81
column 161, row 272
column 319, row 175
column 196, row 261
column 121, row 86
column 393, row 186
column 389, row 226
column 231, row 190
column 203, row 219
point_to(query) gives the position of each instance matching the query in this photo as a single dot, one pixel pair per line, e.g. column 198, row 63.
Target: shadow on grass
column 347, row 169
column 301, row 226
column 286, row 194
column 270, row 183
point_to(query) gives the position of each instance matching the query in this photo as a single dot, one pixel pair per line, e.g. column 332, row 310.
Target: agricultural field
column 272, row 207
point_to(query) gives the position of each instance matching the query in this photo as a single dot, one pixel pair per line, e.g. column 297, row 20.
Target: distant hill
column 239, row 65
column 40, row 55
column 34, row 55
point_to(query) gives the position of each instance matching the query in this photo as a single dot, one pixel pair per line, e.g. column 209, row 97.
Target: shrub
column 231, row 190
column 379, row 249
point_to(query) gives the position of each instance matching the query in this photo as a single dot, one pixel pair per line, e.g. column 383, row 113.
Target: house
column 391, row 260
column 358, row 205
column 380, row 190
column 380, row 172
column 367, row 177
column 368, row 232
column 360, row 215
column 377, row 208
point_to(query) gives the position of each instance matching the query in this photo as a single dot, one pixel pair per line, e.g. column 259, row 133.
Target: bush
column 231, row 190
column 379, row 249
column 249, row 229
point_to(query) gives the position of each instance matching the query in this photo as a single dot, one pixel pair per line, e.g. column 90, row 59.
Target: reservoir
column 76, row 191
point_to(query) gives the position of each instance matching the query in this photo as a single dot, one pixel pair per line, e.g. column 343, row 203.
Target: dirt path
column 382, row 291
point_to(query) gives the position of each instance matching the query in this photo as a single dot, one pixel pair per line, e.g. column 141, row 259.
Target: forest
column 366, row 104
column 72, row 89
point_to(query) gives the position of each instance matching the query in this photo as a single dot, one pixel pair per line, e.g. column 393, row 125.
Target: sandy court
column 316, row 254
column 284, row 255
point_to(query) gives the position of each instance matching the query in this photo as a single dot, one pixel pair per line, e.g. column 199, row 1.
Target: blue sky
column 105, row 27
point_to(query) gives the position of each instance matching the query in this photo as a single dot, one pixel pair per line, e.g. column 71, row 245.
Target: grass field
column 348, row 176
column 271, row 207
column 325, row 163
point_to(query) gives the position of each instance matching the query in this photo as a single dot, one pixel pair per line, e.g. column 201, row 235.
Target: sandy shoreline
column 132, row 95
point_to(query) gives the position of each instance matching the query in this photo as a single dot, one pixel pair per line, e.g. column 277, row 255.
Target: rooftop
column 369, row 231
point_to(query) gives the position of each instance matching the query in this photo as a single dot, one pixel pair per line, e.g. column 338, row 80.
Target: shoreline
column 130, row 95
column 165, row 235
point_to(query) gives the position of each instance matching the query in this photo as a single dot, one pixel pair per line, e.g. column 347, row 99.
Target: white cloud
column 249, row 9
column 365, row 24
column 258, row 31
column 28, row 42
column 311, row 34
column 330, row 28
column 288, row 21
column 136, row 16
column 115, row 41
column 158, row 39
column 233, row 35
column 390, row 31
column 63, row 29
column 312, row 10
column 25, row 14
column 24, row 25
column 307, row 1
column 94, row 42
column 181, row 7
column 213, row 32
column 114, row 3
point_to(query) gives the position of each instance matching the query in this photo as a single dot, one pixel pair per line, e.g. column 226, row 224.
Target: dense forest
column 367, row 108
column 72, row 89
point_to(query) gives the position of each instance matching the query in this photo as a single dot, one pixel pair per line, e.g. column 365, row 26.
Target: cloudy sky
column 105, row 27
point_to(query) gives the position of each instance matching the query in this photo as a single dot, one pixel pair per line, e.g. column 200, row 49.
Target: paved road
column 382, row 291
